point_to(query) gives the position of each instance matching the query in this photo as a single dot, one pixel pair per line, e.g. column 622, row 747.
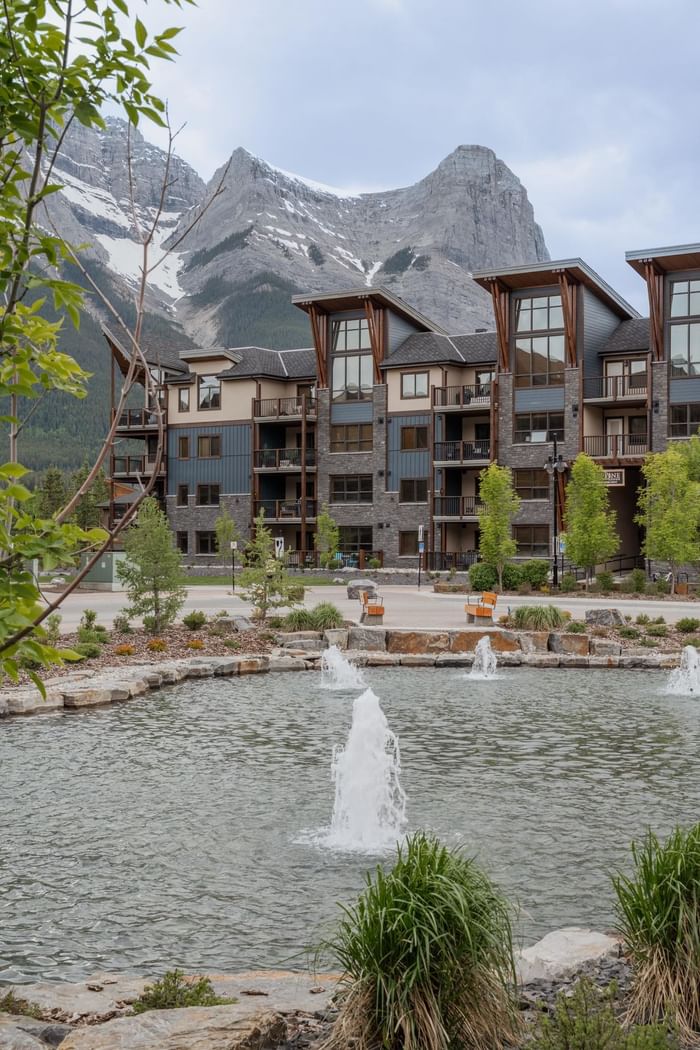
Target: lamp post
column 234, row 548
column 555, row 465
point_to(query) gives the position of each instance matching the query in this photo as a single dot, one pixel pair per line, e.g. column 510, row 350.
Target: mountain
column 267, row 236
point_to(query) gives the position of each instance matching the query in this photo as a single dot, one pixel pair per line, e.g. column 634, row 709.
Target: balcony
column 458, row 508
column 284, row 407
column 462, row 397
column 616, row 446
column 445, row 561
column 343, row 560
column 456, row 452
column 616, row 388
column 137, row 419
column 285, row 459
column 132, row 466
column 285, row 509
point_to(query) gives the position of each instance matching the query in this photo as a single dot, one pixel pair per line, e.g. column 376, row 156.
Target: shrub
column 576, row 627
column 299, row 620
column 276, row 622
column 326, row 616
column 173, row 992
column 13, row 1004
column 659, row 919
column 149, row 624
column 124, row 650
column 482, row 577
column 524, row 587
column 648, row 643
column 232, row 643
column 89, row 619
column 536, row 572
column 374, row 563
column 427, row 956
column 638, row 580
column 662, row 587
column 657, row 630
column 89, row 631
column 687, row 624
column 194, row 620
column 122, row 624
column 156, row 645
column 52, row 626
column 512, row 576
column 628, row 632
column 88, row 650
column 604, row 581
column 538, row 618
column 643, row 620
column 658, row 619
column 194, row 643
column 295, row 593
column 568, row 583
column 694, row 641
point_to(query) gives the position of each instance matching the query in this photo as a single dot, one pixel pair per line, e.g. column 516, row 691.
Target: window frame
column 208, row 487
column 346, row 325
column 198, row 540
column 210, row 438
column 183, row 548
column 687, row 425
column 340, row 482
column 549, row 429
column 416, row 447
column 183, row 442
column 553, row 375
column 201, row 380
column 183, row 394
column 414, row 482
column 414, row 376
column 179, row 502
column 355, row 546
column 403, row 534
column 532, row 549
column 341, row 394
column 346, row 440
column 531, row 487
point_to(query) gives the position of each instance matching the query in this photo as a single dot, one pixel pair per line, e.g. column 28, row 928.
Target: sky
column 595, row 105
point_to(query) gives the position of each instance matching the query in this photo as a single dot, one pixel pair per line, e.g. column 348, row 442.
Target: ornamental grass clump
column 538, row 618
column 658, row 913
column 427, row 957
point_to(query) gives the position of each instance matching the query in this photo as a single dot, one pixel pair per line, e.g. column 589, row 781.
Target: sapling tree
column 499, row 506
column 265, row 580
column 227, row 532
column 669, row 510
column 327, row 538
column 152, row 569
column 590, row 522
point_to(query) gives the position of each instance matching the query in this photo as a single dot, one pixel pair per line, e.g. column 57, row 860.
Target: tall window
column 533, row 427
column 352, row 488
column 414, row 384
column 685, row 328
column 413, row 490
column 348, row 335
column 208, row 495
column 209, row 446
column 183, row 447
column 414, row 438
column 354, row 538
column 352, row 437
column 209, row 393
column 531, row 484
column 205, row 542
column 539, row 341
column 182, row 542
column 532, row 540
column 183, row 493
column 684, row 421
column 183, row 399
column 352, row 377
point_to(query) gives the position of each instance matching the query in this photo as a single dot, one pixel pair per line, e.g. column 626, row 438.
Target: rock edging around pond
column 363, row 646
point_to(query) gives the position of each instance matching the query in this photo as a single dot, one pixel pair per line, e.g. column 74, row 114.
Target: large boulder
column 417, row 641
column 534, row 641
column 31, row 702
column 604, row 647
column 466, row 641
column 355, row 586
column 18, row 1032
column 195, row 1028
column 337, row 636
column 575, row 644
column 368, row 639
column 604, row 618
column 564, row 952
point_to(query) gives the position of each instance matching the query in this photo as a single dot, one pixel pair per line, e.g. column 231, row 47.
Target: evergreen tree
column 590, row 523
column 669, row 509
column 327, row 538
column 152, row 570
column 88, row 514
column 265, row 580
column 500, row 505
column 52, row 495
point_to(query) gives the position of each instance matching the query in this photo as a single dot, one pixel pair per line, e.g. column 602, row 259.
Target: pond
column 179, row 828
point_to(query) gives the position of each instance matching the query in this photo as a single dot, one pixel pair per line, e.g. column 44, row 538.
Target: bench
column 372, row 608
column 480, row 606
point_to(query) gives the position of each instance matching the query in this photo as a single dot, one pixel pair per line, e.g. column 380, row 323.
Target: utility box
column 103, row 574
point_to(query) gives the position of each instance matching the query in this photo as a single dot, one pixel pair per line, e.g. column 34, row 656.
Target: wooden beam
column 567, row 290
column 501, row 303
column 318, row 331
column 655, row 290
column 374, row 324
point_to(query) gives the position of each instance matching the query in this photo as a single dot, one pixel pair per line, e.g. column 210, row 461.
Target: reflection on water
column 166, row 831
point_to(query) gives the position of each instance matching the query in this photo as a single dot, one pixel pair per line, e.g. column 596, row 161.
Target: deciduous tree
column 265, row 579
column 590, row 522
column 152, row 570
column 669, row 510
column 327, row 538
column 499, row 506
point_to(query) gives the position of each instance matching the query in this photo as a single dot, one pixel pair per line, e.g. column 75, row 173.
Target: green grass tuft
column 538, row 618
column 174, row 990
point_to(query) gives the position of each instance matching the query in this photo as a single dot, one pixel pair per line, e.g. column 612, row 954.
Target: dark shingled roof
column 628, row 337
column 426, row 348
column 273, row 364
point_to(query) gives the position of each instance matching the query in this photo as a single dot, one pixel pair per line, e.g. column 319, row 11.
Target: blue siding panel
column 232, row 470
column 399, row 331
column 405, row 464
column 684, row 391
column 536, row 399
column 598, row 325
column 352, row 412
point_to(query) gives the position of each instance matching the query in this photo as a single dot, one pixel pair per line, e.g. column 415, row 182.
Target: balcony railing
column 283, row 458
column 616, row 446
column 285, row 509
column 456, row 506
column 444, row 561
column 477, row 396
column 615, row 388
column 344, row 559
column 137, row 418
column 461, row 451
column 284, row 407
column 131, row 465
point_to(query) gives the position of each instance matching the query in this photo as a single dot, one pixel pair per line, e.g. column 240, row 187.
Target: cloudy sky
column 594, row 105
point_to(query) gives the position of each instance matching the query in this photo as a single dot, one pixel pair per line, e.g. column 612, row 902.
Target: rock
column 154, row 679
column 510, row 659
column 454, row 659
column 337, row 636
column 290, row 638
column 576, row 644
column 358, row 657
column 465, row 641
column 368, row 639
column 20, row 1027
column 540, row 659
column 417, row 641
column 603, row 661
column 71, row 1002
column 307, row 645
column 383, row 660
column 31, row 702
column 287, row 663
column 563, row 952
column 4, row 709
column 604, row 617
column 534, row 641
column 418, row 659
column 604, row 647
column 572, row 660
column 355, row 586
column 231, row 1027
column 242, row 623
column 670, row 660
column 14, row 1038
column 84, row 696
column 254, row 665
column 227, row 665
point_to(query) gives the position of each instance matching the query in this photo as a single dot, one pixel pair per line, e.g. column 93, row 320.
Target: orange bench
column 372, row 608
column 481, row 606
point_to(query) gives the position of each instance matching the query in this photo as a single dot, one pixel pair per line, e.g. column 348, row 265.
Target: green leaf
column 141, row 34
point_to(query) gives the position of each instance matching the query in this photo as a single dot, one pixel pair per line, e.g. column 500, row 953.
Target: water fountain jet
column 685, row 680
column 485, row 662
column 337, row 672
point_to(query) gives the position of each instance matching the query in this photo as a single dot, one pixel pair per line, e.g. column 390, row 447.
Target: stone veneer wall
column 659, row 392
column 192, row 519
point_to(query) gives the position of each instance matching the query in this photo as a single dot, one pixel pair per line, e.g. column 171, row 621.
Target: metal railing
column 283, row 407
column 285, row 509
column 622, row 563
column 283, row 458
column 461, row 451
column 616, row 388
column 616, row 446
column 456, row 506
column 478, row 396
column 343, row 559
column 137, row 417
column 445, row 561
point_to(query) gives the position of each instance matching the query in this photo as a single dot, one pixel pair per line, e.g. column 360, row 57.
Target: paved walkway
column 405, row 606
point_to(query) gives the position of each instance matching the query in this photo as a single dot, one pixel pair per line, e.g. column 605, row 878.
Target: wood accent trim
column 319, row 324
column 655, row 289
column 561, row 502
column 375, row 324
column 567, row 290
column 501, row 305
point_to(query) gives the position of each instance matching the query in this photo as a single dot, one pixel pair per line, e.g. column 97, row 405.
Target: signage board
column 420, row 533
column 615, row 478
column 279, row 546
column 421, row 547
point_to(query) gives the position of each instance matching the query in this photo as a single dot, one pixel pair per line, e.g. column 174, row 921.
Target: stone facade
column 193, row 519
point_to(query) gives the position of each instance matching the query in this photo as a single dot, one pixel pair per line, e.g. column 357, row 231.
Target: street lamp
column 234, row 548
column 555, row 465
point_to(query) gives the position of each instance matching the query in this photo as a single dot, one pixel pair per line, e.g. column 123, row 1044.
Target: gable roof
column 426, row 348
column 355, row 299
column 628, row 337
column 157, row 357
column 256, row 361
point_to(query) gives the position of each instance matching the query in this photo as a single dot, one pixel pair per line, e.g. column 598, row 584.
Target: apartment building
column 388, row 419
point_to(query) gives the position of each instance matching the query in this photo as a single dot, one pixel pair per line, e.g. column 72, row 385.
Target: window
column 352, row 377
column 183, row 447
column 352, row 334
column 183, row 399
column 182, row 542
column 352, row 488
column 685, row 299
column 209, row 393
column 539, row 427
column 408, row 544
column 539, row 314
column 183, row 492
column 685, row 420
column 208, row 495
column 413, row 490
column 352, row 437
column 531, row 484
column 206, row 542
column 355, row 538
column 532, row 540
column 209, row 446
column 414, row 384
column 414, row 438
column 539, row 358
column 685, row 334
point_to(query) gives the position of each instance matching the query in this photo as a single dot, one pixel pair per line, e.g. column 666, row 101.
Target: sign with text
column 615, row 478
